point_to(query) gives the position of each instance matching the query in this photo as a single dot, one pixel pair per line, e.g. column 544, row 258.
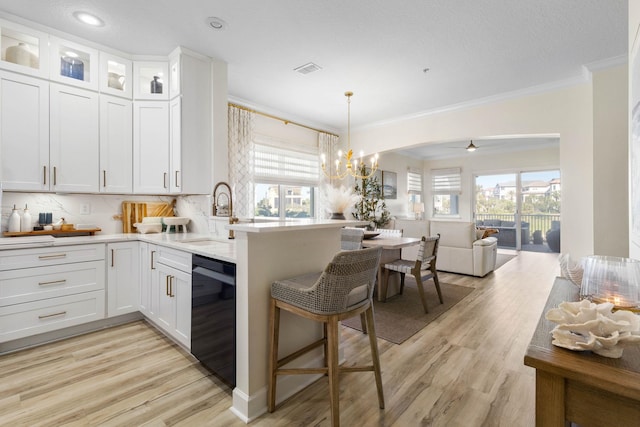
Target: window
column 446, row 188
column 286, row 180
column 414, row 189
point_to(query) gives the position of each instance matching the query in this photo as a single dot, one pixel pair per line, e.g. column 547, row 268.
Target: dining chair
column 351, row 238
column 343, row 290
column 423, row 269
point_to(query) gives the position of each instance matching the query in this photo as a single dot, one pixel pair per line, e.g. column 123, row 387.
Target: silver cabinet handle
column 152, row 254
column 166, row 286
column 46, row 316
column 104, row 178
column 53, row 256
column 164, row 180
column 44, row 175
column 55, row 176
column 177, row 185
column 53, row 282
column 171, row 294
column 112, row 256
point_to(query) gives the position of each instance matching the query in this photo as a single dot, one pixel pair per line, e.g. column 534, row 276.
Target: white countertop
column 291, row 225
column 201, row 244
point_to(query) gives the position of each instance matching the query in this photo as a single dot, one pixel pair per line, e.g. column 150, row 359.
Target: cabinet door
column 175, row 116
column 174, row 303
column 151, row 147
column 24, row 132
column 166, row 314
column 116, row 145
column 123, row 292
column 73, row 63
column 145, row 278
column 74, row 139
column 181, row 287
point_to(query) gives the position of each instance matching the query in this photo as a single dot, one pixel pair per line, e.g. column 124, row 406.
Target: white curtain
column 327, row 143
column 241, row 160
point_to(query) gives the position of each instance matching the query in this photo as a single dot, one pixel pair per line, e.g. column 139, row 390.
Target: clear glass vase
column 611, row 279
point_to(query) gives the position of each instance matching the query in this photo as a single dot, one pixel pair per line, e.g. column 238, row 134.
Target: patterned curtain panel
column 241, row 161
column 326, row 144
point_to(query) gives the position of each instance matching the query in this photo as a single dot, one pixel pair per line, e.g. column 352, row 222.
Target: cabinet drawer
column 22, row 320
column 36, row 257
column 32, row 284
column 174, row 258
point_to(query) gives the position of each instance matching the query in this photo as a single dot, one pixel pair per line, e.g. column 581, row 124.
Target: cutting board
column 133, row 212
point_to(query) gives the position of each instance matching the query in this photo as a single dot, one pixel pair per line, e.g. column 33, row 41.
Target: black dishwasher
column 213, row 316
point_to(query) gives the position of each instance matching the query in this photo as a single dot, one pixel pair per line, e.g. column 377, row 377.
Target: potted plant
column 371, row 207
column 339, row 199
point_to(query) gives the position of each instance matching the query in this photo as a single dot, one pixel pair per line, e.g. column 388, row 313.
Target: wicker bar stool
column 343, row 290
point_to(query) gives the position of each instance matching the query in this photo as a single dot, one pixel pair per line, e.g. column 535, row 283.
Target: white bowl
column 175, row 220
column 152, row 220
column 148, row 228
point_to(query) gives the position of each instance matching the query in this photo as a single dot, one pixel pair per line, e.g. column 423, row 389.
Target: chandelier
column 350, row 165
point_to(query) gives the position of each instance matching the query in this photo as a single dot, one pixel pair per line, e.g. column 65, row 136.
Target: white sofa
column 460, row 251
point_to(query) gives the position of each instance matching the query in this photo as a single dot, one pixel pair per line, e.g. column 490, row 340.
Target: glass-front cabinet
column 73, row 64
column 24, row 50
column 116, row 75
column 151, row 80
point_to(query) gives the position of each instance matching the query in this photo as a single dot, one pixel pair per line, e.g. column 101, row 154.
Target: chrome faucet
column 232, row 219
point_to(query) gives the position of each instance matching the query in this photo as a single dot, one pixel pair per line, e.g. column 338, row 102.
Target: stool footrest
column 302, row 371
column 300, row 352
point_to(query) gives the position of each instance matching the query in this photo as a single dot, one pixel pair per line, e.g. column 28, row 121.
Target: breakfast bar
column 267, row 252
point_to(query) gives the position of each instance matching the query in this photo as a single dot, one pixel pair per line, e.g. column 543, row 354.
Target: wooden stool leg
column 437, row 282
column 373, row 341
column 334, row 373
column 401, row 283
column 274, row 334
column 363, row 322
column 383, row 286
column 423, row 297
column 325, row 346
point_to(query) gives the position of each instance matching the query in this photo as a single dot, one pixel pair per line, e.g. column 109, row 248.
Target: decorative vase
column 337, row 215
column 20, row 54
column 116, row 81
column 156, row 85
column 72, row 67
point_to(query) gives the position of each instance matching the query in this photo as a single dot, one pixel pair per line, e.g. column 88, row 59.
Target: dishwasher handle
column 224, row 278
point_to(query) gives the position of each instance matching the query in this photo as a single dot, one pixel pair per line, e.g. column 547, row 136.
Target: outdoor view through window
column 523, row 207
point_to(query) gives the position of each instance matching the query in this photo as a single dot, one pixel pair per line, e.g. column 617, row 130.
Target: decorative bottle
column 14, row 221
column 25, row 222
column 156, row 85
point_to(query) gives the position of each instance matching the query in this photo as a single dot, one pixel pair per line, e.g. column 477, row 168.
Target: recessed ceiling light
column 216, row 23
column 88, row 19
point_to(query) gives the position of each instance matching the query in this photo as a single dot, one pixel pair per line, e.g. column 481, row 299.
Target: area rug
column 502, row 259
column 402, row 315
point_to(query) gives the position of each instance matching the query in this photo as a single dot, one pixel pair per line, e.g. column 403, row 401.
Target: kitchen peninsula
column 267, row 252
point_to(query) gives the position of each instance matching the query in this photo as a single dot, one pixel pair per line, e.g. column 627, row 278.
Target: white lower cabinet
column 45, row 289
column 123, row 281
column 166, row 291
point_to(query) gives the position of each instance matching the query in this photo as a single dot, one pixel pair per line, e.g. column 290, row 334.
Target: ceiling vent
column 307, row 68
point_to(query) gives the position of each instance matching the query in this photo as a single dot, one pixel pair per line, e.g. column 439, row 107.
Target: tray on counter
column 55, row 233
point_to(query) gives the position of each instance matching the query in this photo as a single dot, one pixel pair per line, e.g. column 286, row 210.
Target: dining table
column 391, row 251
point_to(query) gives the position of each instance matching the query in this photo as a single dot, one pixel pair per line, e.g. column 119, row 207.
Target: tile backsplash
column 103, row 211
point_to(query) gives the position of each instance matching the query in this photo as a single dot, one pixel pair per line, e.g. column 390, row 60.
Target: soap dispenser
column 14, row 221
column 25, row 222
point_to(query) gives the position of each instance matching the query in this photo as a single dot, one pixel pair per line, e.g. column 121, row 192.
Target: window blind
column 414, row 183
column 285, row 166
column 446, row 181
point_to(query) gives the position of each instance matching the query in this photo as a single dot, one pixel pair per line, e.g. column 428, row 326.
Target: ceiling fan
column 470, row 148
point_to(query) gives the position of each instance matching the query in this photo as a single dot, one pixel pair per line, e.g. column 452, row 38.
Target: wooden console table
column 581, row 387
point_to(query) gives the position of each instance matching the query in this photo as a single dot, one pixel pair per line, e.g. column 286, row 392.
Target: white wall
column 477, row 164
column 634, row 41
column 610, row 156
column 567, row 112
column 399, row 164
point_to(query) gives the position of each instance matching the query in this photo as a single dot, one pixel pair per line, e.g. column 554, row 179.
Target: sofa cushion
column 492, row 222
column 508, row 224
column 455, row 234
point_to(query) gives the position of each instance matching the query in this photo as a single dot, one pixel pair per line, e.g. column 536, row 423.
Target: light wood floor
column 464, row 369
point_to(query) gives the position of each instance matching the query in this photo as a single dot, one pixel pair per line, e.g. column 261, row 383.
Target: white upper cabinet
column 74, row 64
column 151, row 147
column 24, row 50
column 116, row 75
column 24, row 132
column 116, row 145
column 74, row 139
column 151, row 80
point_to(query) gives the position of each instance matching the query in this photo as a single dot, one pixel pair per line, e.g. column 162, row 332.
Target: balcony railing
column 540, row 221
